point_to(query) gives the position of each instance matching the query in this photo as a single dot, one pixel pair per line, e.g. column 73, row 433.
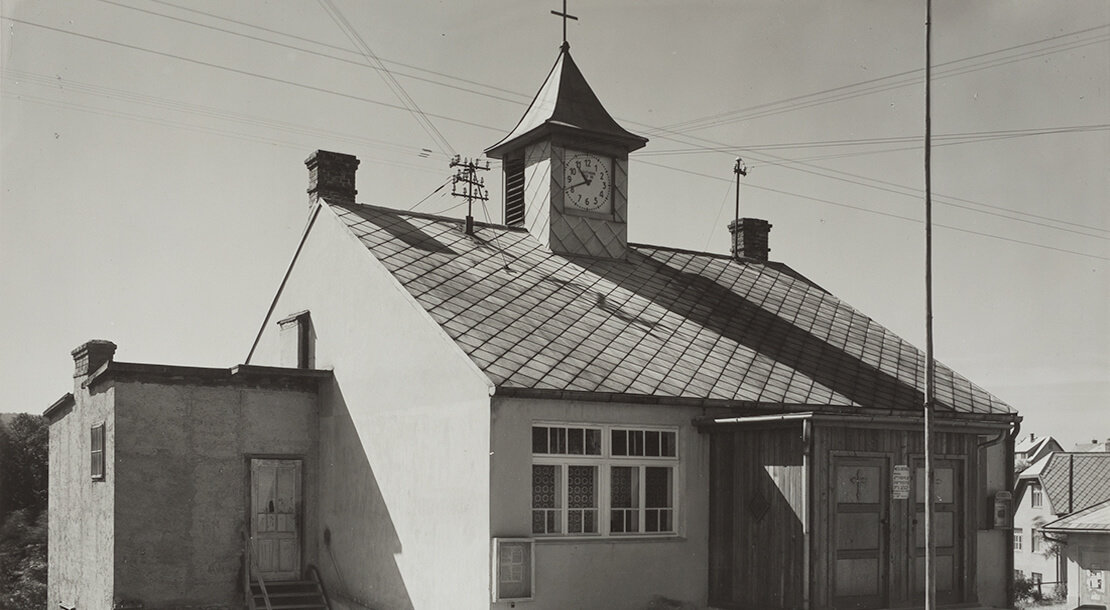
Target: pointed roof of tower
column 566, row 104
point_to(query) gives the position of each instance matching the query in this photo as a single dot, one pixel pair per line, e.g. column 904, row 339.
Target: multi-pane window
column 96, row 455
column 1036, row 577
column 1038, row 538
column 603, row 480
column 1037, row 496
column 1018, row 538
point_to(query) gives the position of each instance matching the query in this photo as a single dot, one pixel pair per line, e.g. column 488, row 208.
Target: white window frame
column 604, row 464
column 1019, row 537
column 1036, row 496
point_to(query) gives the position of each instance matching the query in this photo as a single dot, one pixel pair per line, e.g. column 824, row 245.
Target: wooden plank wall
column 756, row 549
column 902, row 447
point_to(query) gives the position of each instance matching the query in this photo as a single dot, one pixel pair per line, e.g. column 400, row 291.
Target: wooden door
column 859, row 532
column 275, row 518
column 948, row 527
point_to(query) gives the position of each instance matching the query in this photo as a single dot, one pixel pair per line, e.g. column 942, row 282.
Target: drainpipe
column 807, row 463
column 1071, row 483
column 1009, row 541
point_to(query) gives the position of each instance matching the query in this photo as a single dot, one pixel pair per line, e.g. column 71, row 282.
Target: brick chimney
column 91, row 356
column 331, row 176
column 750, row 238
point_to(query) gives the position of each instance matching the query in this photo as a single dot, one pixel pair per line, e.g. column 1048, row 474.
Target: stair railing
column 311, row 570
column 248, row 565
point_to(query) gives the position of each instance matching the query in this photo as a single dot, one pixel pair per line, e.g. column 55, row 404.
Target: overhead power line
column 208, row 112
column 872, row 211
column 883, row 83
column 249, row 73
column 410, row 104
column 321, row 44
column 324, row 90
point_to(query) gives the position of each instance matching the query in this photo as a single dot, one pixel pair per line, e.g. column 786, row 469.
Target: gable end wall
column 404, row 433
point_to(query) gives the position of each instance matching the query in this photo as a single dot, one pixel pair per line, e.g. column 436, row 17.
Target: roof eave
column 627, row 141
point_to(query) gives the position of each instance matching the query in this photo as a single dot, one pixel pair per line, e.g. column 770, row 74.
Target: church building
column 540, row 414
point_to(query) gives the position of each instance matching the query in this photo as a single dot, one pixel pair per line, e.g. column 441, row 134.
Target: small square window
column 96, row 454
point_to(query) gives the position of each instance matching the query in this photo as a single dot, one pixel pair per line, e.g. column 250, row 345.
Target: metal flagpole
column 930, row 367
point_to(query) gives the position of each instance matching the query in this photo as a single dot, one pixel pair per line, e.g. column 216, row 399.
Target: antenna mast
column 740, row 170
column 930, row 365
column 466, row 183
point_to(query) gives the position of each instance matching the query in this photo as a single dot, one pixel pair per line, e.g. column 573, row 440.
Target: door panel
column 859, row 516
column 948, row 528
column 275, row 516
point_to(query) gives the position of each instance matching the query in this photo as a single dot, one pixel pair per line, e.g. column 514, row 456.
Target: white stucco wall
column 610, row 573
column 81, row 517
column 404, row 434
column 1026, row 517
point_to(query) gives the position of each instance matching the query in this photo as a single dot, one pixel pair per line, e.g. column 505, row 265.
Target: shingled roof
column 665, row 323
column 1091, row 483
column 1091, row 519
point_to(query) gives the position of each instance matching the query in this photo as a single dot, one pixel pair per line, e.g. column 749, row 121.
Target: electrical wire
column 873, row 85
column 390, row 81
column 525, row 97
column 878, row 212
column 234, row 70
column 240, row 72
column 438, row 189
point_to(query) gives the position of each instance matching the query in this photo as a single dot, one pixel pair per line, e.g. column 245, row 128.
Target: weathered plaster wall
column 1088, row 564
column 182, row 480
column 81, row 522
column 602, row 573
column 404, row 434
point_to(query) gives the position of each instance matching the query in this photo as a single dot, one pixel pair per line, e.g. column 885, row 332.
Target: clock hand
column 586, row 179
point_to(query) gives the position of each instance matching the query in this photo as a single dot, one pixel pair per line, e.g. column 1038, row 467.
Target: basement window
column 96, row 455
column 603, row 480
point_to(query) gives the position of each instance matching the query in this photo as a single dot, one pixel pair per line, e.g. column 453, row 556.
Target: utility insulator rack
column 466, row 183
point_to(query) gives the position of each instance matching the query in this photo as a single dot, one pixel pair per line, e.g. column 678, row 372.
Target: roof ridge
column 425, row 215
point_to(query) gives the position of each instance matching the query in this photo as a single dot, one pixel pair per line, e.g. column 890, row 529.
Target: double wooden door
column 877, row 553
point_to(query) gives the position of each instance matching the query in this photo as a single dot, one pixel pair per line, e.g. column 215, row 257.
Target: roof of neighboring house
column 1090, row 485
column 1035, row 448
column 1091, row 519
column 1034, row 470
column 663, row 323
column 566, row 102
column 1096, row 446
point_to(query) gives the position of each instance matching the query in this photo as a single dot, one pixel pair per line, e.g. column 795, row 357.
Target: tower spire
column 565, row 15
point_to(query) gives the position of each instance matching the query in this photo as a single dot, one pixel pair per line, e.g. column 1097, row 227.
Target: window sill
column 640, row 538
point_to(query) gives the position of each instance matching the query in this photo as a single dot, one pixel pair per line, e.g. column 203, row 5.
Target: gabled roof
column 665, row 323
column 566, row 103
column 1091, row 519
column 1090, row 485
column 1035, row 469
column 1032, row 447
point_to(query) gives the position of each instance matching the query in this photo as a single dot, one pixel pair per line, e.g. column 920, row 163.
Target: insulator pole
column 473, row 188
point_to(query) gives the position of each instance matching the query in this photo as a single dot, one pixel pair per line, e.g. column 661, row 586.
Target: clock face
column 588, row 182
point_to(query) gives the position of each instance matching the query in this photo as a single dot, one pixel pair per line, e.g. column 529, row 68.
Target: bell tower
column 566, row 168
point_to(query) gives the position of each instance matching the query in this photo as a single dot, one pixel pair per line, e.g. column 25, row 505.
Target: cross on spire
column 565, row 15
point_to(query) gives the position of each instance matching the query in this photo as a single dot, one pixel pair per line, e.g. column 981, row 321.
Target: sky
column 153, row 186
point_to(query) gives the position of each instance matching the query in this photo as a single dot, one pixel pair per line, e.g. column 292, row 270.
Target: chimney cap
column 331, row 176
column 91, row 355
column 750, row 238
